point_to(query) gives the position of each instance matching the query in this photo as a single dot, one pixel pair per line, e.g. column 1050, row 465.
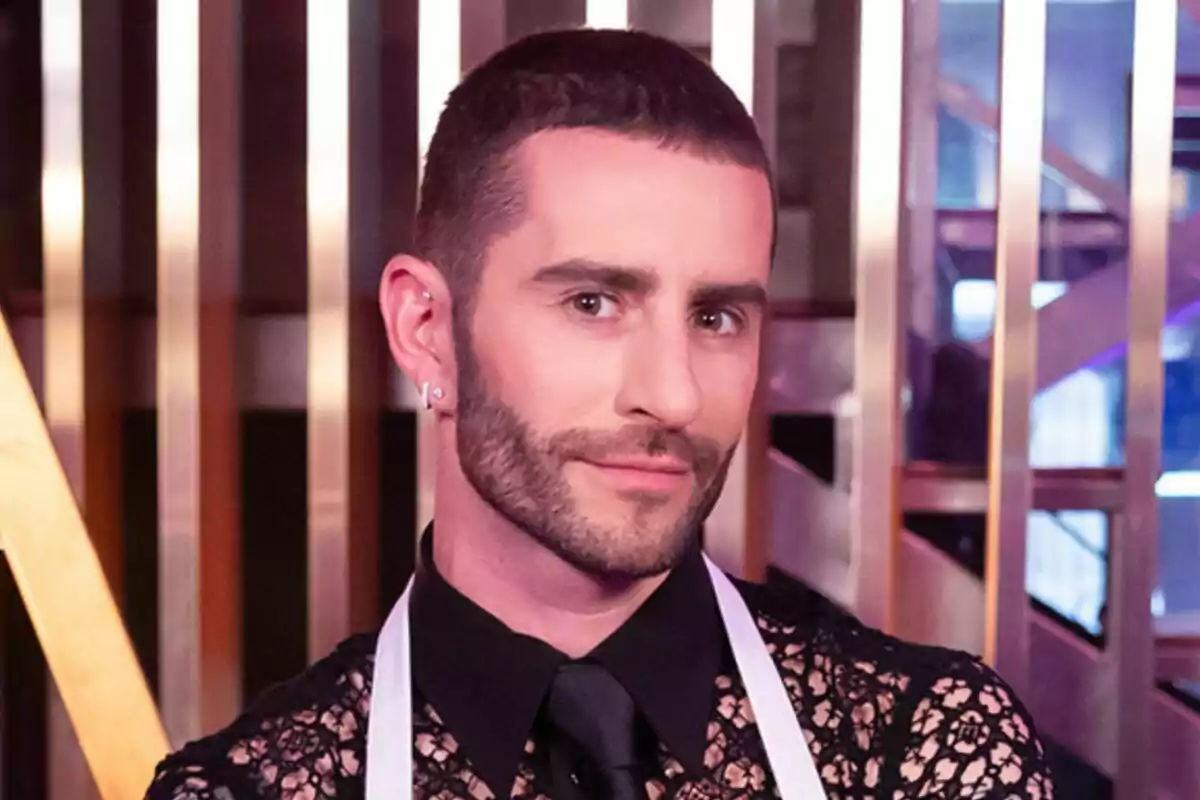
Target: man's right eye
column 594, row 304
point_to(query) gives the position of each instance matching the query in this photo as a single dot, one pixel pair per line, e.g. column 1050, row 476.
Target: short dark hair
column 626, row 82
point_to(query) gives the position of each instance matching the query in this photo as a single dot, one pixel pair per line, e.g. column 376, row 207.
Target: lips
column 666, row 465
column 644, row 475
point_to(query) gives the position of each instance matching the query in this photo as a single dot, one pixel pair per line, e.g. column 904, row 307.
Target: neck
column 530, row 589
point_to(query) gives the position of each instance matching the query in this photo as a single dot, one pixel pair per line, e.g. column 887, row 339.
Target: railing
column 940, row 602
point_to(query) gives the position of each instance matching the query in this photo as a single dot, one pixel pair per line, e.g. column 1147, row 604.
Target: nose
column 658, row 381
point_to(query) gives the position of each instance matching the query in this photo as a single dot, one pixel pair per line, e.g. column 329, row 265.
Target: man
column 583, row 312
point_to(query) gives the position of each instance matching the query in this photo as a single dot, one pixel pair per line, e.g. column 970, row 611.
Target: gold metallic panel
column 83, row 259
column 1022, row 96
column 199, row 576
column 344, row 371
column 878, row 328
column 63, row 586
column 736, row 534
column 64, row 390
column 1134, row 552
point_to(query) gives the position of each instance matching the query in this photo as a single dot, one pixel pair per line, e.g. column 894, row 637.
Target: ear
column 415, row 301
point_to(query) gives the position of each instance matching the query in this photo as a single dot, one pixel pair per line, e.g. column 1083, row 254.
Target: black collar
column 487, row 682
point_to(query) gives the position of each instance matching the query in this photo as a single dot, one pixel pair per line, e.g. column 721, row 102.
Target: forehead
column 620, row 200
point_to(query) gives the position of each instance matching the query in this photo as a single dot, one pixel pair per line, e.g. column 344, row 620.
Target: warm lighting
column 733, row 47
column 328, row 202
column 178, row 126
column 62, row 224
column 608, row 13
column 328, row 122
column 439, row 64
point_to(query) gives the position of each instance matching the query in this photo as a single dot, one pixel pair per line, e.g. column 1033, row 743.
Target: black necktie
column 593, row 711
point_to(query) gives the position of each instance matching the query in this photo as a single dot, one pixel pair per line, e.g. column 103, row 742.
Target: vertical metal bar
column 736, row 534
column 879, row 314
column 439, row 67
column 1135, row 553
column 344, row 371
column 733, row 43
column 218, row 511
column 62, row 233
column 197, row 451
column 608, row 13
column 66, row 391
column 921, row 168
column 1022, row 93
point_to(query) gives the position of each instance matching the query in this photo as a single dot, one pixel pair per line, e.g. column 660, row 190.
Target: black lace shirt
column 883, row 719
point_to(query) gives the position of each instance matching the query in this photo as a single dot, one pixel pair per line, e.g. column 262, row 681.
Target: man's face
column 608, row 367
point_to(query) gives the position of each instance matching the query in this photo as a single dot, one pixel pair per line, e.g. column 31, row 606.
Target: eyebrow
column 637, row 280
column 614, row 277
column 730, row 294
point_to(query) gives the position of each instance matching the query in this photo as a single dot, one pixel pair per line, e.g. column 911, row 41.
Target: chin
column 624, row 561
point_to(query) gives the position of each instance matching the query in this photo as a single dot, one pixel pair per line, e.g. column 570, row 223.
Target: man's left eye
column 722, row 322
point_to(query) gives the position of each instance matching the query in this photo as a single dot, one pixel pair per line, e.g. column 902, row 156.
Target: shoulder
column 940, row 722
column 308, row 730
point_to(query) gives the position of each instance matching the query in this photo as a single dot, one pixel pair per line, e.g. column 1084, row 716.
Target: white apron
column 389, row 765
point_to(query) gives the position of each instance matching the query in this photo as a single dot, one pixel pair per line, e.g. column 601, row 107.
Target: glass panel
column 1067, row 564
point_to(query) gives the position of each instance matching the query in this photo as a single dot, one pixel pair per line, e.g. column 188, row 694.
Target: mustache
column 699, row 452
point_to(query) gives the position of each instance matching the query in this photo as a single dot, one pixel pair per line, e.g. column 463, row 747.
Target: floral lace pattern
column 882, row 719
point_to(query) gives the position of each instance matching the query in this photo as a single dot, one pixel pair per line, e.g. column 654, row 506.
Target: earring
column 436, row 393
column 426, row 296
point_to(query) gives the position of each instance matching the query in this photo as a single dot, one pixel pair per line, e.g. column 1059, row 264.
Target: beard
column 521, row 475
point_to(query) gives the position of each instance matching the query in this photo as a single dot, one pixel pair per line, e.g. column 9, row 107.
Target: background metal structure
column 735, row 534
column 1022, row 100
column 880, row 312
column 197, row 360
column 345, row 353
column 197, row 272
column 1134, row 551
column 63, row 586
column 81, row 231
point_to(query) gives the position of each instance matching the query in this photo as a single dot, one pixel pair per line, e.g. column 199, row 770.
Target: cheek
column 556, row 380
column 727, row 385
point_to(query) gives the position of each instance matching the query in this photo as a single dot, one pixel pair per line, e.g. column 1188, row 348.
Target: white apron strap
column 389, row 765
column 787, row 749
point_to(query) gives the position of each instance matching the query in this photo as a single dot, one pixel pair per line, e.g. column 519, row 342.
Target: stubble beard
column 521, row 475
